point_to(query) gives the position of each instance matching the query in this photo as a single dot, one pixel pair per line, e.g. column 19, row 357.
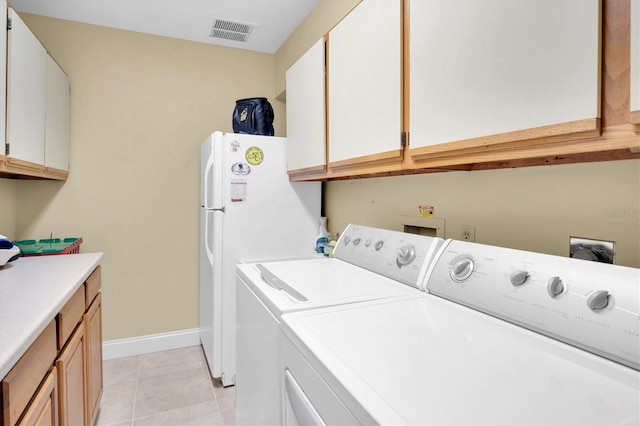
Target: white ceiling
column 274, row 20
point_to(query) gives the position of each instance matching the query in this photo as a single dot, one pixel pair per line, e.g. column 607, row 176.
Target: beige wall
column 533, row 208
column 8, row 208
column 140, row 107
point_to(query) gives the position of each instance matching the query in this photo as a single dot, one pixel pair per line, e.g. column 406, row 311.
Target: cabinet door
column 635, row 61
column 26, row 92
column 93, row 330
column 365, row 85
column 72, row 380
column 56, row 146
column 525, row 69
column 306, row 143
column 22, row 382
column 43, row 409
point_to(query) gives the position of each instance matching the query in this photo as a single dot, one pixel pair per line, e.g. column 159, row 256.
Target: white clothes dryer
column 505, row 337
column 368, row 263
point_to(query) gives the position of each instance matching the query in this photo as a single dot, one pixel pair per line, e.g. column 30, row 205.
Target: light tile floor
column 164, row 388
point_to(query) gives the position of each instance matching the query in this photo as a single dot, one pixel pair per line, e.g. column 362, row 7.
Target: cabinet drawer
column 93, row 284
column 24, row 378
column 70, row 315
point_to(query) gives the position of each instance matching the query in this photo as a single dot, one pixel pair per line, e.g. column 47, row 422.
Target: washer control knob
column 356, row 241
column 367, row 243
column 598, row 300
column 378, row 245
column 461, row 268
column 405, row 255
column 347, row 240
column 555, row 286
column 518, row 278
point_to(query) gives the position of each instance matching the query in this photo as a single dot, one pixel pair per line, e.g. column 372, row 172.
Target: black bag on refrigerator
column 253, row 116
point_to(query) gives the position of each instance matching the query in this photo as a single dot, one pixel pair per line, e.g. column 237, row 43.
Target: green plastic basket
column 49, row 246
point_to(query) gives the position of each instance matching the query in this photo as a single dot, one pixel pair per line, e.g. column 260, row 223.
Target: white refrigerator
column 249, row 211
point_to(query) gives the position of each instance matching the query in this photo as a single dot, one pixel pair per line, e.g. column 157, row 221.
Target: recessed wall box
column 429, row 226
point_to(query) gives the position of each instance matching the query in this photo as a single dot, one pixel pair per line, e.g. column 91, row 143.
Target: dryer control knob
column 598, row 300
column 461, row 268
column 555, row 286
column 518, row 278
column 378, row 245
column 405, row 255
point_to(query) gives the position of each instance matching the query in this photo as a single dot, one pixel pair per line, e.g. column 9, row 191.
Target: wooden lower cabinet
column 93, row 340
column 58, row 381
column 25, row 378
column 43, row 410
column 72, row 380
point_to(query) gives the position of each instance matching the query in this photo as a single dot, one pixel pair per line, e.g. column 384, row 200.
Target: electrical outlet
column 467, row 233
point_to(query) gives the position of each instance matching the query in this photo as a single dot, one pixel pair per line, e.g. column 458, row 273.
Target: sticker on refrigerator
column 238, row 190
column 254, row 155
column 234, row 146
column 241, row 169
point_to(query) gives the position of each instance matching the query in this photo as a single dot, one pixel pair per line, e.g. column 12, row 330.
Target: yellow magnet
column 254, row 155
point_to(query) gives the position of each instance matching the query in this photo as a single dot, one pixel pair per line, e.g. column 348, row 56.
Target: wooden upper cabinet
column 635, row 62
column 364, row 86
column 26, row 93
column 498, row 74
column 306, row 141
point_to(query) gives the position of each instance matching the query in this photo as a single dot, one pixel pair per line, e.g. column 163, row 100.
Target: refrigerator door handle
column 206, row 241
column 221, row 209
column 207, row 173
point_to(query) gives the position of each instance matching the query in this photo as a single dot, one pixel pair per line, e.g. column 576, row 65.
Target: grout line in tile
column 177, row 409
column 135, row 394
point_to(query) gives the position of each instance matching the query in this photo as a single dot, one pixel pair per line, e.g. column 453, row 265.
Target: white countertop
column 32, row 292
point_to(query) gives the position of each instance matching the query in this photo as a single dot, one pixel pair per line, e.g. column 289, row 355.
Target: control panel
column 397, row 255
column 594, row 306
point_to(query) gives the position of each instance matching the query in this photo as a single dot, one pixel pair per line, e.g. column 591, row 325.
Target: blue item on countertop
column 8, row 251
column 5, row 244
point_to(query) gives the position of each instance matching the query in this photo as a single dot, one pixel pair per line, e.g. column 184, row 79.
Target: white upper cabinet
column 635, row 61
column 483, row 68
column 364, row 92
column 37, row 107
column 26, row 92
column 306, row 141
column 56, row 147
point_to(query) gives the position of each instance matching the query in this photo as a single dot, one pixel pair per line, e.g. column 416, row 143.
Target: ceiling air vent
column 231, row 30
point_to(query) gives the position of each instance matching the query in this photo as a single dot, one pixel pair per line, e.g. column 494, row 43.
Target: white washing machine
column 504, row 337
column 368, row 263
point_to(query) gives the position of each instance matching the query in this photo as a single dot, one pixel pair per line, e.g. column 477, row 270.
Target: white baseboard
column 121, row 348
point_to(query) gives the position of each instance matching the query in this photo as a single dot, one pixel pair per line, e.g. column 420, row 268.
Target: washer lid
column 426, row 360
column 322, row 281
